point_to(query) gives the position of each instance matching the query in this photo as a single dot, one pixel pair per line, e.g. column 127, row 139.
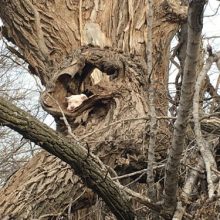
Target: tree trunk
column 97, row 48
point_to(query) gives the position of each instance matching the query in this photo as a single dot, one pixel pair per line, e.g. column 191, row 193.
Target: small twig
column 70, row 208
column 124, row 120
column 195, row 169
column 216, row 11
column 49, row 215
column 136, row 172
column 211, row 37
column 69, row 129
column 209, row 116
column 215, row 170
column 141, row 199
column 111, row 124
column 138, row 178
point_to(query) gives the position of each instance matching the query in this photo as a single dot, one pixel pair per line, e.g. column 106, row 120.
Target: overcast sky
column 212, row 23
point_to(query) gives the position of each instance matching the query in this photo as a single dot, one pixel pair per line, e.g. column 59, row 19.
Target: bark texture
column 93, row 173
column 40, row 188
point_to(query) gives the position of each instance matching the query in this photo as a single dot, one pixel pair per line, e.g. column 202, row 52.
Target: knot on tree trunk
column 114, row 116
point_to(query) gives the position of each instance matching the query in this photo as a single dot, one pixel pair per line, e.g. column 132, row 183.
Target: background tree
column 16, row 151
column 99, row 48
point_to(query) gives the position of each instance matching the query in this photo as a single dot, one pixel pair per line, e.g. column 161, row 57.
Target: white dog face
column 75, row 101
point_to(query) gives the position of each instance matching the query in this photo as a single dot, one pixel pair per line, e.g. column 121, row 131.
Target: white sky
column 211, row 27
column 212, row 24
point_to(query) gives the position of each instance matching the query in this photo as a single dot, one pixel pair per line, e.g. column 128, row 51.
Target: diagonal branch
column 86, row 165
column 187, row 190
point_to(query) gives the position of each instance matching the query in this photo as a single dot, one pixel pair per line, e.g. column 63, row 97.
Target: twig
column 136, row 172
column 135, row 180
column 143, row 200
column 69, row 129
column 216, row 11
column 211, row 37
column 69, row 208
column 215, row 170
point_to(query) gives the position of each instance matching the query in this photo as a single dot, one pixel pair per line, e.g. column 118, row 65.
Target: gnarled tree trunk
column 95, row 47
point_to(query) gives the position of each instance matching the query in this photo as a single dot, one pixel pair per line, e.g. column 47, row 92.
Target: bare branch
column 202, row 143
column 195, row 24
column 152, row 111
column 216, row 11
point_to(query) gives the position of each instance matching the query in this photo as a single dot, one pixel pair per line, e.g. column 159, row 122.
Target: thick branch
column 152, row 111
column 194, row 33
column 211, row 124
column 86, row 165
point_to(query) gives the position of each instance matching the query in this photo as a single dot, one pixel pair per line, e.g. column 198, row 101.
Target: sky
column 211, row 35
column 211, row 25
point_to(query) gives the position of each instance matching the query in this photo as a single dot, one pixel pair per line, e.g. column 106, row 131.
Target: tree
column 104, row 49
column 15, row 151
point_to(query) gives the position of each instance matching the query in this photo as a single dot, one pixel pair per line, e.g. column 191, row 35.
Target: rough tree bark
column 94, row 174
column 55, row 38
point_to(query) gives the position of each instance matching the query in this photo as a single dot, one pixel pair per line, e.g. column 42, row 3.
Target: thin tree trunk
column 195, row 24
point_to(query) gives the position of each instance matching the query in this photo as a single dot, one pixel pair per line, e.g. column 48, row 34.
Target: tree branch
column 93, row 173
column 152, row 112
column 187, row 190
column 206, row 153
column 195, row 24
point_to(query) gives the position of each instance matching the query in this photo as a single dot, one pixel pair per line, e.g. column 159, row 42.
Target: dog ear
column 83, row 97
